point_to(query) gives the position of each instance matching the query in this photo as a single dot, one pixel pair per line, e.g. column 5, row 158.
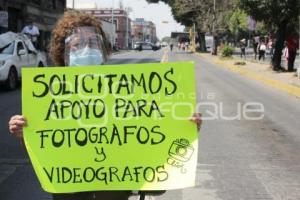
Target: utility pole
column 128, row 9
column 214, row 50
column 194, row 36
column 113, row 25
column 73, row 4
column 127, row 43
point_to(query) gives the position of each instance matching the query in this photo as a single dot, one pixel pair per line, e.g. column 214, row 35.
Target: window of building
column 116, row 24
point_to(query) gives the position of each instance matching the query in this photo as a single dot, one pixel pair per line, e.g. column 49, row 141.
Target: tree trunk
column 215, row 46
column 280, row 37
column 201, row 40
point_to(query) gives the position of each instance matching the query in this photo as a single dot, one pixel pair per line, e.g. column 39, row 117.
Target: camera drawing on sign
column 180, row 152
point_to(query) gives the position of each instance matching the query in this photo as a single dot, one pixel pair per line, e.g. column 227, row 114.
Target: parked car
column 17, row 51
column 145, row 46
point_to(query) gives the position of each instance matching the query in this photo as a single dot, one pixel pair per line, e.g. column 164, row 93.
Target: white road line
column 165, row 56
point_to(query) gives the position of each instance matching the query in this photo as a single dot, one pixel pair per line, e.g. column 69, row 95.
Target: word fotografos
column 70, row 137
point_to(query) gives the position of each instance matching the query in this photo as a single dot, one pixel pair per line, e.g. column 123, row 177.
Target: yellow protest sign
column 118, row 127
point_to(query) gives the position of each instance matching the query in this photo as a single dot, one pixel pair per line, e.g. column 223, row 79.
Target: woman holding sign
column 78, row 40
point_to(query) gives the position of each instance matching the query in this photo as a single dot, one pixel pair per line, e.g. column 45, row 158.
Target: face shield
column 84, row 47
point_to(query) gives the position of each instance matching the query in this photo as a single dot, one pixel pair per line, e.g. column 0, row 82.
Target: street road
column 238, row 158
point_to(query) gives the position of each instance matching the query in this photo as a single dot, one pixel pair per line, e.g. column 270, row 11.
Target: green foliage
column 226, row 51
column 238, row 21
column 279, row 16
column 272, row 12
column 201, row 13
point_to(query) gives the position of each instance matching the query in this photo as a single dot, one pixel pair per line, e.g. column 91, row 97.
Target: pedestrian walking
column 271, row 46
column 286, row 52
column 171, row 46
column 292, row 45
column 261, row 50
column 77, row 40
column 255, row 45
column 182, row 46
column 186, row 46
column 243, row 48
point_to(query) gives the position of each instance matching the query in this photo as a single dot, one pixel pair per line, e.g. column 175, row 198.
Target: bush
column 227, row 51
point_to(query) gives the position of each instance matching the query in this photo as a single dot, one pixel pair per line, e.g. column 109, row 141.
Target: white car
column 17, row 51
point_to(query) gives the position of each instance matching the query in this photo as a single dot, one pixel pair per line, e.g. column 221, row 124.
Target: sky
column 157, row 13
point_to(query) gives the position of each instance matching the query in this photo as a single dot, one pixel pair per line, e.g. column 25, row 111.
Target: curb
column 119, row 52
column 290, row 89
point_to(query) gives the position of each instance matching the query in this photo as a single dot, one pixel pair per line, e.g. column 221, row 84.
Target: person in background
column 271, row 45
column 261, row 50
column 78, row 40
column 186, row 46
column 292, row 45
column 32, row 32
column 255, row 45
column 171, row 46
column 243, row 48
column 286, row 52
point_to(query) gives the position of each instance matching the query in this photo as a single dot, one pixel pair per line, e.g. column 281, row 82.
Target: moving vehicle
column 145, row 46
column 17, row 51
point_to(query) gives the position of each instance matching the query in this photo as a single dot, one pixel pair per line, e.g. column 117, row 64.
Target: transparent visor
column 84, row 47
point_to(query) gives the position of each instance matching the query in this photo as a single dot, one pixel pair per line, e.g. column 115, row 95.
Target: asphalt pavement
column 238, row 158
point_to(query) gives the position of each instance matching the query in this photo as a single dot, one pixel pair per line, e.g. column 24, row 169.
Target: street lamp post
column 113, row 25
column 128, row 9
column 127, row 28
column 194, row 37
column 214, row 50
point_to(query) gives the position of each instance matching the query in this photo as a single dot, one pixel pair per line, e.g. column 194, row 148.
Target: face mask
column 86, row 56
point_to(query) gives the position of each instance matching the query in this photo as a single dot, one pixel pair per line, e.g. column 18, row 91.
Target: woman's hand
column 16, row 124
column 196, row 118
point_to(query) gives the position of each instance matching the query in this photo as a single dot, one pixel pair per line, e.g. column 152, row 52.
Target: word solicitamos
column 125, row 84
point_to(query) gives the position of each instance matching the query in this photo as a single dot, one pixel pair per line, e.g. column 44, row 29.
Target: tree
column 282, row 16
column 166, row 39
column 201, row 13
column 237, row 23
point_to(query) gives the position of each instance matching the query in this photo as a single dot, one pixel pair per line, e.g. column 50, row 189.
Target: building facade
column 121, row 26
column 143, row 30
column 43, row 13
column 109, row 29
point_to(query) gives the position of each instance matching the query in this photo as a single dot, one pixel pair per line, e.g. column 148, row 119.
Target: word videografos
column 107, row 175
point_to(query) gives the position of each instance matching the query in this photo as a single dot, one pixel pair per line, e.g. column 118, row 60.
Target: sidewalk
column 260, row 71
column 250, row 57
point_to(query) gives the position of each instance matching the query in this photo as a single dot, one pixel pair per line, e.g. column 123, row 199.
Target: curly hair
column 64, row 27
